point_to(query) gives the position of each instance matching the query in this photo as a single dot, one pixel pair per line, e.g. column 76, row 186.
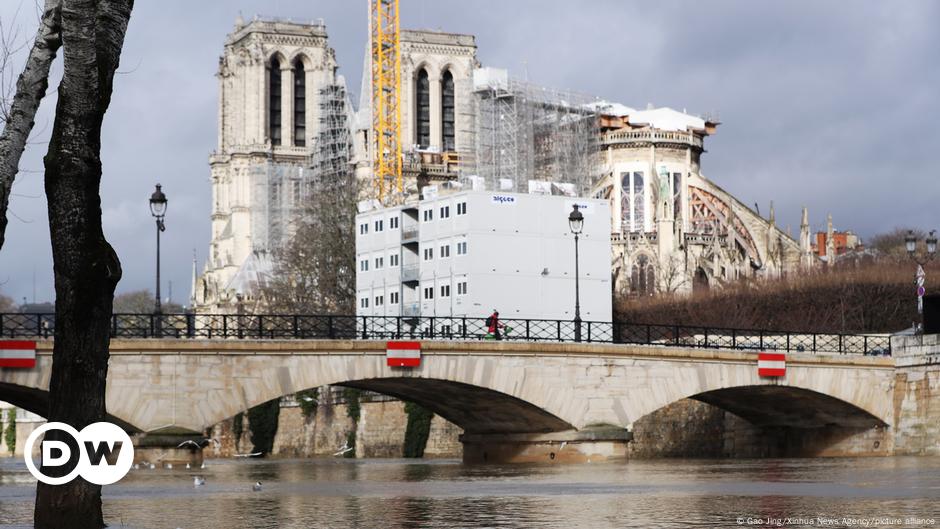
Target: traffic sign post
column 919, row 278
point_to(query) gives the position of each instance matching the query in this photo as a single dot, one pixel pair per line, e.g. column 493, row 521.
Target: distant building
column 842, row 242
column 469, row 252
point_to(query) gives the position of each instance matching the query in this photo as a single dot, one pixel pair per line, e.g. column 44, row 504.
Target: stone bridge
column 514, row 400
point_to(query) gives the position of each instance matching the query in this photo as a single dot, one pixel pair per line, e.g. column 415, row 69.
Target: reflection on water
column 389, row 494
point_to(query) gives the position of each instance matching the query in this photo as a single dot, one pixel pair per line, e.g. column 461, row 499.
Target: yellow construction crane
column 386, row 96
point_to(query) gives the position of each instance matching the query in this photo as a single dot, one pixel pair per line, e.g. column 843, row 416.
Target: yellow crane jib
column 386, row 96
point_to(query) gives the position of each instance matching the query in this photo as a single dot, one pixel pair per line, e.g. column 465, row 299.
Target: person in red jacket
column 493, row 325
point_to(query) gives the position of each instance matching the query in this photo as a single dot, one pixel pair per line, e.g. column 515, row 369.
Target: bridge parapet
column 460, row 328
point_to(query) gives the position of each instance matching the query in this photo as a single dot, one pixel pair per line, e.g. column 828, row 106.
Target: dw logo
column 102, row 453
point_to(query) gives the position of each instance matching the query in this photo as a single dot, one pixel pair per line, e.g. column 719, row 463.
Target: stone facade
column 275, row 80
column 674, row 230
column 434, row 55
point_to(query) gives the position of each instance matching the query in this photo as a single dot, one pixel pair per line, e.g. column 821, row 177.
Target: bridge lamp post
column 910, row 242
column 576, row 223
column 158, row 203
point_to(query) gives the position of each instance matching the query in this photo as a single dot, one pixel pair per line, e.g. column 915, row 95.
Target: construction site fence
column 302, row 326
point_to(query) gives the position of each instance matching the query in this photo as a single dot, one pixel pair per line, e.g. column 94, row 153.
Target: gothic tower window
column 423, row 110
column 300, row 102
column 274, row 102
column 447, row 111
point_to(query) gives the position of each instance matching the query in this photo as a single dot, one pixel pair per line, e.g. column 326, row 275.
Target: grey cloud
column 824, row 103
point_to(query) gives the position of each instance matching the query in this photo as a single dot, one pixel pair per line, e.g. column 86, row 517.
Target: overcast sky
column 828, row 104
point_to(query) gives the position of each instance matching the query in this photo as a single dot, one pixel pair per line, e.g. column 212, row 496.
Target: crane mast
column 386, row 97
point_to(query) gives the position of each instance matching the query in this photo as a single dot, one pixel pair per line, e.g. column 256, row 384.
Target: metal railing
column 302, row 326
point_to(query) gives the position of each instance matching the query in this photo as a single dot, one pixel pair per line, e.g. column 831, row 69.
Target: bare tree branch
column 30, row 89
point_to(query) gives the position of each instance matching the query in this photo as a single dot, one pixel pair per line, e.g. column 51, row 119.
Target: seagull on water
column 256, row 487
column 198, row 481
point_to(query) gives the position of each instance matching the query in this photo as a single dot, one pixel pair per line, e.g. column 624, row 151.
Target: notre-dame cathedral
column 286, row 119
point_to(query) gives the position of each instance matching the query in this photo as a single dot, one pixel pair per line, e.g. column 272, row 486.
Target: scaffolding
column 527, row 132
column 283, row 188
column 331, row 157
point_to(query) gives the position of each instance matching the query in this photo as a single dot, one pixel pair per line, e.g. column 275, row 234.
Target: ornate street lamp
column 910, row 242
column 158, row 203
column 576, row 223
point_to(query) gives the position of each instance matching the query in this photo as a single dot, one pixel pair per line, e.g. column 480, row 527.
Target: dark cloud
column 828, row 104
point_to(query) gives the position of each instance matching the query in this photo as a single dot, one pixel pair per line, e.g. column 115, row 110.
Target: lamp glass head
column 158, row 202
column 910, row 242
column 576, row 220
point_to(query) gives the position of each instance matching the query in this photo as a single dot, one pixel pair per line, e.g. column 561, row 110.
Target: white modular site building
column 464, row 254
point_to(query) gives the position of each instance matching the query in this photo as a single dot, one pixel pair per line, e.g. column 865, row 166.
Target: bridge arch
column 475, row 409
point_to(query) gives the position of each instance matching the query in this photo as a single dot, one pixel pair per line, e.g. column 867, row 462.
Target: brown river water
column 397, row 493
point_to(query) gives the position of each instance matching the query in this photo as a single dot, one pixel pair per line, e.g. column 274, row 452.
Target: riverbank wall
column 379, row 430
column 917, row 394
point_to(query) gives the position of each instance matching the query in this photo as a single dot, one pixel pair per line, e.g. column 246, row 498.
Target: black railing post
column 113, row 324
column 225, row 326
column 677, row 334
column 761, row 347
column 464, row 324
column 865, row 345
column 365, row 331
column 649, row 334
column 151, row 326
column 329, row 327
column 734, row 339
column 527, row 330
column 788, row 341
column 432, row 327
column 558, row 326
column 190, row 325
column 296, row 327
column 260, row 326
column 814, row 342
column 706, row 337
column 840, row 345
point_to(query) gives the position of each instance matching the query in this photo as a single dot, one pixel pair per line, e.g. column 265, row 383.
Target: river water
column 389, row 494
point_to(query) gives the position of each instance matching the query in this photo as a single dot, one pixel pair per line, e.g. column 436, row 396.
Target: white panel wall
column 519, row 260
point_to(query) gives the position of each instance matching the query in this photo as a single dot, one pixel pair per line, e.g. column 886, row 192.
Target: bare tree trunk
column 30, row 89
column 86, row 267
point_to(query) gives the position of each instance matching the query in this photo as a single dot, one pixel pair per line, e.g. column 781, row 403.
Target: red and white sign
column 403, row 354
column 771, row 365
column 17, row 353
